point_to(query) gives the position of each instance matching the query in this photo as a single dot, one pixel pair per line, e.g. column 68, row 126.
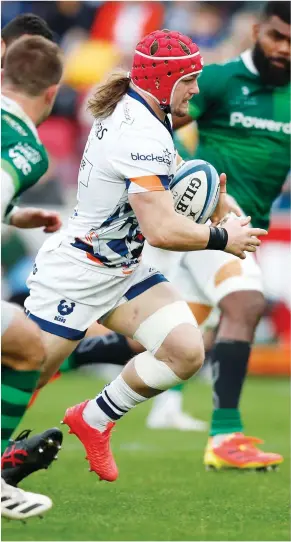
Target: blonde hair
column 108, row 94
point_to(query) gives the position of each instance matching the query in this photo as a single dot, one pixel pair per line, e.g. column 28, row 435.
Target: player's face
column 271, row 52
column 185, row 89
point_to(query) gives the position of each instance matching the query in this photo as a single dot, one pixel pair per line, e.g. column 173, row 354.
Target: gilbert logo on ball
column 195, row 189
column 188, row 195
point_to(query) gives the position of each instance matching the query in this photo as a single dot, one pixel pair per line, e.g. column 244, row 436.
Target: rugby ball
column 195, row 189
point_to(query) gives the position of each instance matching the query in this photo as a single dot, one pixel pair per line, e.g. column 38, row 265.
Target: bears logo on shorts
column 64, row 309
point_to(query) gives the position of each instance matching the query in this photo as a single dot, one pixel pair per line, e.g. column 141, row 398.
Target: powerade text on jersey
column 244, row 131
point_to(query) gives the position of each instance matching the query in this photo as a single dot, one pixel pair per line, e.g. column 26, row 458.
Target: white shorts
column 66, row 297
column 205, row 277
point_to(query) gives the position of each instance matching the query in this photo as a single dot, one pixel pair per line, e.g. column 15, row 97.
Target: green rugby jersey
column 23, row 157
column 244, row 131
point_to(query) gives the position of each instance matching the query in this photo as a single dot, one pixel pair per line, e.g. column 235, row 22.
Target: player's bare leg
column 175, row 353
column 167, row 409
column 58, row 349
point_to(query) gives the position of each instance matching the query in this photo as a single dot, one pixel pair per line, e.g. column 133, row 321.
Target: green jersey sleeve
column 211, row 86
column 25, row 164
column 23, row 157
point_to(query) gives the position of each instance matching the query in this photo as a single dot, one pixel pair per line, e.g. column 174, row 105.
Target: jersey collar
column 136, row 96
column 247, row 59
column 15, row 109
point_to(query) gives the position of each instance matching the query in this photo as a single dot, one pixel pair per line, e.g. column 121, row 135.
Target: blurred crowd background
column 96, row 37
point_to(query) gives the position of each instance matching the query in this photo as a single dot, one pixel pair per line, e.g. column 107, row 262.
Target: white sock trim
column 116, row 400
column 122, row 394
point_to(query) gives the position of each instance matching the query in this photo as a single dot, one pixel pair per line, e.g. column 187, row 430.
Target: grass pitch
column 163, row 492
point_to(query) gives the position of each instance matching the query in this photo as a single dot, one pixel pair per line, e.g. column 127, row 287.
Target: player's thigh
column 161, row 321
column 58, row 349
column 22, row 347
column 128, row 316
column 96, row 330
column 217, row 274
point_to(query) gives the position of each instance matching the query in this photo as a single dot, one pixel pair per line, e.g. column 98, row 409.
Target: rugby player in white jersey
column 93, row 270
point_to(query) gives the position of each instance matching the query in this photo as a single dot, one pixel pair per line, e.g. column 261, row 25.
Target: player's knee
column 243, row 308
column 184, row 350
column 172, row 335
column 188, row 355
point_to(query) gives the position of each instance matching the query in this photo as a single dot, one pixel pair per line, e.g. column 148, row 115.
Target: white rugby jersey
column 131, row 151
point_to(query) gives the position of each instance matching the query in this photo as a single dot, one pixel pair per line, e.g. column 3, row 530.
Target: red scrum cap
column 161, row 60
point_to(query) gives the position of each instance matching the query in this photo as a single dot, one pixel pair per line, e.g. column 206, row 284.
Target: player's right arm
column 166, row 229
column 163, row 227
